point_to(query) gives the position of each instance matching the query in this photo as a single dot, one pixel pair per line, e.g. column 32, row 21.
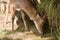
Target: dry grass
column 22, row 36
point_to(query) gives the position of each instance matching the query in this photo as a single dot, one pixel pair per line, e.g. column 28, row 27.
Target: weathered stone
column 6, row 22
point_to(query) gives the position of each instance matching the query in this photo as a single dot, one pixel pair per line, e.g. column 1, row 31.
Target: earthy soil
column 22, row 36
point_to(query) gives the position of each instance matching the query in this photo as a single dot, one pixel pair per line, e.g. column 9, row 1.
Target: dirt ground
column 22, row 36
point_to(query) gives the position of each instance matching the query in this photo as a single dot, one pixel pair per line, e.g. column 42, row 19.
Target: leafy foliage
column 52, row 9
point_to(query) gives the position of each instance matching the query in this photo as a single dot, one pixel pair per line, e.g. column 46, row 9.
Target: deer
column 27, row 7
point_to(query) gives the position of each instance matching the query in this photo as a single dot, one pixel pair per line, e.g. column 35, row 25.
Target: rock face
column 6, row 22
column 5, row 16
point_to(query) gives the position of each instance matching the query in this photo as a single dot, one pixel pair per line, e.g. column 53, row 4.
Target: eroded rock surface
column 6, row 22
